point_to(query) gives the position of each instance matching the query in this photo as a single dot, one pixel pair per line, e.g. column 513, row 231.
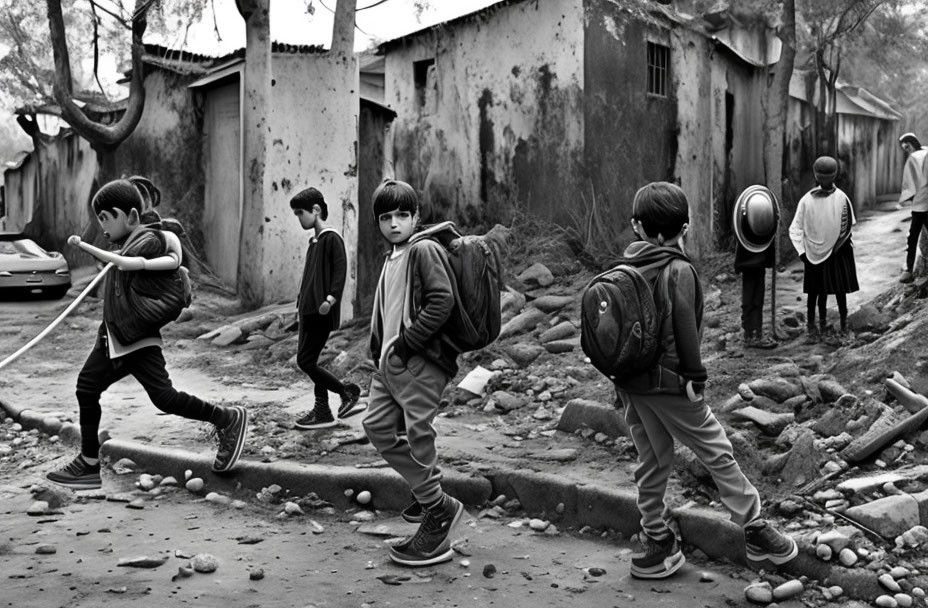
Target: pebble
column 885, row 601
column 465, row 563
column 188, row 474
column 903, row 599
column 596, row 571
column 706, row 577
column 787, row 590
column 918, row 592
column 315, row 527
column 195, row 484
column 899, row 572
column 182, row 572
column 204, row 562
column 46, row 550
column 489, row 571
column 539, row 525
column 39, row 507
column 291, row 508
column 889, row 583
column 823, row 552
column 168, row 481
column 146, row 482
column 137, row 504
column 759, row 593
column 835, row 591
column 847, row 557
column 217, row 498
column 364, row 497
column 256, row 574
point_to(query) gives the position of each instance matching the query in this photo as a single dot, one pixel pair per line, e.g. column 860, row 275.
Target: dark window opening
column 658, row 69
column 420, row 76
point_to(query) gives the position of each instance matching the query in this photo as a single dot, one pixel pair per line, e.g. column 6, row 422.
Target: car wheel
column 56, row 293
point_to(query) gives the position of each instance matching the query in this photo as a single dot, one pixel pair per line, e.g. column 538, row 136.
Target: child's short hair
column 825, row 169
column 392, row 195
column 911, row 139
column 306, row 199
column 661, row 208
column 119, row 194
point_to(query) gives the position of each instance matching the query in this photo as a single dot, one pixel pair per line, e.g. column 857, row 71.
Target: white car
column 27, row 268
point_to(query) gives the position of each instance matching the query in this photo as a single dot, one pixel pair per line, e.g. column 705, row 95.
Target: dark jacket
column 323, row 275
column 431, row 298
column 131, row 317
column 679, row 300
column 746, row 260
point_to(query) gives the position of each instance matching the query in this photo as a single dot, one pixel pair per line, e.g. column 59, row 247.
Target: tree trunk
column 101, row 137
column 343, row 28
column 778, row 104
column 255, row 104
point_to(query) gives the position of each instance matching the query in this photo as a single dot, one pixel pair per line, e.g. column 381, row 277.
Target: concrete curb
column 543, row 495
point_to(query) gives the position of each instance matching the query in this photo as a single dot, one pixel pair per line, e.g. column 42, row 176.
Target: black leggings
column 314, row 333
column 820, row 300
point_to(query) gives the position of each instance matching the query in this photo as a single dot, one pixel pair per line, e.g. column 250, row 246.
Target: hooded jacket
column 430, row 298
column 679, row 300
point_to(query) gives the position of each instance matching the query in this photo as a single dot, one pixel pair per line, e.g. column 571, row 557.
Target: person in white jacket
column 914, row 193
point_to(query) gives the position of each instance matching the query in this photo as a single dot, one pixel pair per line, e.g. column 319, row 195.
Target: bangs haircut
column 394, row 195
column 661, row 208
column 118, row 194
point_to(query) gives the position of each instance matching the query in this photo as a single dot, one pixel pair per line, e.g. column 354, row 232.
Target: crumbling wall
column 490, row 112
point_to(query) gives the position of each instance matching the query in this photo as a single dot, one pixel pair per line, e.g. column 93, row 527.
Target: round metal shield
column 755, row 218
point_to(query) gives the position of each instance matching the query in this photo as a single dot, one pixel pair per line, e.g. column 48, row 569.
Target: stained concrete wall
column 313, row 142
column 498, row 119
column 166, row 148
column 47, row 197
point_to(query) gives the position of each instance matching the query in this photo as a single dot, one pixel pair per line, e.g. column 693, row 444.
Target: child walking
column 128, row 341
column 319, row 311
column 821, row 234
column 667, row 403
column 414, row 298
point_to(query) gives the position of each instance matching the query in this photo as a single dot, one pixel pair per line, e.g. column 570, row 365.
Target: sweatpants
column 147, row 366
column 401, row 407
column 314, row 333
column 654, row 421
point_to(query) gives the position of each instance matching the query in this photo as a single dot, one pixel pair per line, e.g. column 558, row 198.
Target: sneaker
column 315, row 420
column 431, row 543
column 763, row 342
column 231, row 440
column 413, row 513
column 763, row 543
column 349, row 406
column 906, row 277
column 660, row 558
column 813, row 336
column 77, row 475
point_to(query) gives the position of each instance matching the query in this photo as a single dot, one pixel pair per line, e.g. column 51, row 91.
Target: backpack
column 620, row 323
column 153, row 298
column 476, row 263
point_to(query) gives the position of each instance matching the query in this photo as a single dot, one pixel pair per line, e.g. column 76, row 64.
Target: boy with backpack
column 664, row 397
column 319, row 311
column 146, row 290
column 415, row 298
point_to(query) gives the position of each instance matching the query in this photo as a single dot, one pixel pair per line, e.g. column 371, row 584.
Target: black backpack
column 476, row 262
column 620, row 323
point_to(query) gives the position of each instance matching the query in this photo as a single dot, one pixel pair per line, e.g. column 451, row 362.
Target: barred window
column 658, row 69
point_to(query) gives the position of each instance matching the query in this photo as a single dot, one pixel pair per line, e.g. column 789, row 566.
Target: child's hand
column 401, row 350
column 74, row 240
column 325, row 308
column 695, row 390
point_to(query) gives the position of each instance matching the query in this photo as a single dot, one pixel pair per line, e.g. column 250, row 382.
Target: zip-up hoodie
column 680, row 303
column 430, row 298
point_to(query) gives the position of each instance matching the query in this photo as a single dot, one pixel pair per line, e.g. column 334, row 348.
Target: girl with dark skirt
column 821, row 234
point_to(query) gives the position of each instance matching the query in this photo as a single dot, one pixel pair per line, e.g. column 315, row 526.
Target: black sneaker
column 660, row 558
column 231, row 440
column 413, row 513
column 315, row 420
column 763, row 543
column 431, row 543
column 349, row 406
column 77, row 475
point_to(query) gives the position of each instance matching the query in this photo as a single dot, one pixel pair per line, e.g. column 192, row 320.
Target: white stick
column 59, row 319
